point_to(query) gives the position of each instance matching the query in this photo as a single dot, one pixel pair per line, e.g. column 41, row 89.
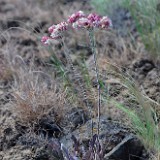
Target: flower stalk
column 93, row 47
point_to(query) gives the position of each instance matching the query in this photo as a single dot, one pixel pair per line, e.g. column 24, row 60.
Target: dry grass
column 35, row 93
column 35, row 96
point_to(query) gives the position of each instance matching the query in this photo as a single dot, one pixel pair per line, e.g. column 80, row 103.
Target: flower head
column 93, row 20
column 74, row 17
column 63, row 26
column 51, row 29
column 45, row 40
column 77, row 20
column 94, row 17
column 105, row 23
column 57, row 30
column 83, row 23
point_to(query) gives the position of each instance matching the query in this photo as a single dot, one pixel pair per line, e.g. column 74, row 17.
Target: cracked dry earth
column 22, row 23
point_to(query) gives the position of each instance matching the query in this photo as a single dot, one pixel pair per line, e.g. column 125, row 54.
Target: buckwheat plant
column 79, row 21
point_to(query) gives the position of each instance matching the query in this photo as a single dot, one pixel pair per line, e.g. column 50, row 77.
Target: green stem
column 93, row 47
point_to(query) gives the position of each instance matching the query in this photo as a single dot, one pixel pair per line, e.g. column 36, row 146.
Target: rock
column 110, row 132
column 130, row 148
column 116, row 141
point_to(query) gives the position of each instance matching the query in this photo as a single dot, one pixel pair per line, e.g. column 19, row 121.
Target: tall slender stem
column 93, row 47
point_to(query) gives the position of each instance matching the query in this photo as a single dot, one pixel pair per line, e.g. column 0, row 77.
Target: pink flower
column 105, row 23
column 51, row 29
column 94, row 17
column 63, row 26
column 93, row 20
column 77, row 20
column 57, row 30
column 45, row 40
column 74, row 17
column 82, row 23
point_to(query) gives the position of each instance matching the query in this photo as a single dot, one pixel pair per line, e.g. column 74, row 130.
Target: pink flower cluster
column 77, row 20
column 92, row 21
column 74, row 17
column 56, row 32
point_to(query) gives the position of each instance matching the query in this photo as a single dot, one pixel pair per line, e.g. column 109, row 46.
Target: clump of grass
column 144, row 120
column 35, row 93
column 36, row 96
column 140, row 109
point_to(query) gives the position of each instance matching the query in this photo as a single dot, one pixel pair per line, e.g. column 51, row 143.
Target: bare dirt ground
column 22, row 24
